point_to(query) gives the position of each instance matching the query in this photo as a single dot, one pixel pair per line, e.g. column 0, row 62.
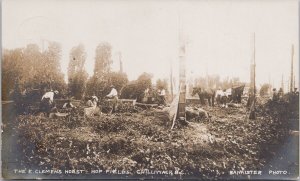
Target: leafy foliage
column 99, row 84
column 264, row 90
column 77, row 75
column 137, row 141
column 136, row 88
column 214, row 81
column 44, row 68
column 101, row 87
column 162, row 84
column 102, row 59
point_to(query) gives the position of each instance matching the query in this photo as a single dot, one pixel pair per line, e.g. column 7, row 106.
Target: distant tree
column 235, row 81
column 101, row 87
column 214, row 82
column 77, row 60
column 33, row 61
column 135, row 89
column 264, row 90
column 144, row 81
column 11, row 71
column 77, row 76
column 103, row 59
column 162, row 84
column 44, row 67
column 226, row 83
column 32, row 69
column 91, row 86
column 52, row 66
column 118, row 79
column 99, row 84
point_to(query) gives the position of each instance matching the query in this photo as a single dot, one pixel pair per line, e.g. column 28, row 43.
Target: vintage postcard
column 149, row 89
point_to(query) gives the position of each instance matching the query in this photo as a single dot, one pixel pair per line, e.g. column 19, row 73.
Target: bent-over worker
column 47, row 101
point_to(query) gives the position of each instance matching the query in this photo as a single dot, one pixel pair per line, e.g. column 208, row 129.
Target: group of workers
column 48, row 105
column 150, row 98
column 278, row 95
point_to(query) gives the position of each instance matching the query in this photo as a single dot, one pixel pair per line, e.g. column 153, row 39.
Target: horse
column 203, row 94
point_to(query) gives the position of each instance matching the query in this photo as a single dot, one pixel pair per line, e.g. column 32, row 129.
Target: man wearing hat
column 114, row 96
column 47, row 101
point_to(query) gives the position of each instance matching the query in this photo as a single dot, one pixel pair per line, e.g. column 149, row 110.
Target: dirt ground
column 131, row 143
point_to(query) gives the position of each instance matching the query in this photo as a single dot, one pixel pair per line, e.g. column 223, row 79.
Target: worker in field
column 68, row 105
column 47, row 102
column 296, row 91
column 114, row 96
column 146, row 95
column 162, row 95
column 275, row 96
column 280, row 93
column 92, row 102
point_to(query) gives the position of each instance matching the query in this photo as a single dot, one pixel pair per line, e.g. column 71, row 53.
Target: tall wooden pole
column 289, row 85
column 269, row 91
column 292, row 70
column 182, row 78
column 171, row 80
column 254, row 75
column 121, row 63
column 294, row 83
column 282, row 84
column 252, row 109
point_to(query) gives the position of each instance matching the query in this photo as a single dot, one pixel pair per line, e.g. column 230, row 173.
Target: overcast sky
column 218, row 34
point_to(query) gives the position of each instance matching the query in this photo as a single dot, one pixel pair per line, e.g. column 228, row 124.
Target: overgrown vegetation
column 143, row 140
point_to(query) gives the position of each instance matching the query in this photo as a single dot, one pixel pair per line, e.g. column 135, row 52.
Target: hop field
column 206, row 148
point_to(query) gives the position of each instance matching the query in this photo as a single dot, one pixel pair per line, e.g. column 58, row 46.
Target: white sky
column 218, row 33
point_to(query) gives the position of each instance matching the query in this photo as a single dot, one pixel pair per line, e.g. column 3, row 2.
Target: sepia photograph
column 150, row 89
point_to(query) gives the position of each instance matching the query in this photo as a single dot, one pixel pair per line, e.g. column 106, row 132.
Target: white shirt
column 113, row 93
column 220, row 93
column 66, row 104
column 163, row 92
column 228, row 92
column 49, row 95
column 91, row 103
column 146, row 91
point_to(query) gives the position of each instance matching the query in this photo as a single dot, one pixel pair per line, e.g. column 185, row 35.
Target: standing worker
column 114, row 96
column 275, row 95
column 146, row 95
column 163, row 96
column 280, row 93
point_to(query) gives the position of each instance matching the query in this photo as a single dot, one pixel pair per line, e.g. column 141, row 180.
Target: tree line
column 29, row 68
